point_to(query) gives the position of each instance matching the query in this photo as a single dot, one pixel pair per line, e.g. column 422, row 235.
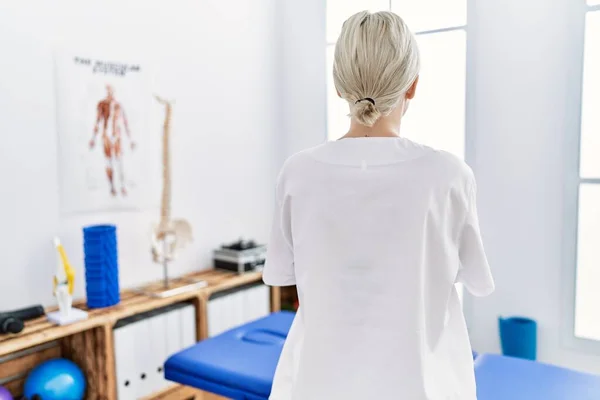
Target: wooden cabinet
column 90, row 343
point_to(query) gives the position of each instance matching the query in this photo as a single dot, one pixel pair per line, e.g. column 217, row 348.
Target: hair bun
column 365, row 112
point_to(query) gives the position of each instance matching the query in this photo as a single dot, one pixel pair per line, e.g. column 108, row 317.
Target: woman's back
column 372, row 241
column 375, row 231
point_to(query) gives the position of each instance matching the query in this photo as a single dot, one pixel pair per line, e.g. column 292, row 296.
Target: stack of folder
column 143, row 343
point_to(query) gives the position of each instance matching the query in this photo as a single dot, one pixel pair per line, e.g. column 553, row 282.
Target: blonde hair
column 376, row 61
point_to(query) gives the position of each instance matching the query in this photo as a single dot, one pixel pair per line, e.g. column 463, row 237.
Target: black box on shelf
column 241, row 256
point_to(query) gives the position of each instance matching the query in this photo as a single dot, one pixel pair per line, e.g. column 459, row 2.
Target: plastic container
column 518, row 337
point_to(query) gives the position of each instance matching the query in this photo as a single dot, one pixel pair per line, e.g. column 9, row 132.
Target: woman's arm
column 474, row 271
column 279, row 267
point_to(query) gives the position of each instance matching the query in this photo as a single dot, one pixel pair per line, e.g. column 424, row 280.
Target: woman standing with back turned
column 375, row 231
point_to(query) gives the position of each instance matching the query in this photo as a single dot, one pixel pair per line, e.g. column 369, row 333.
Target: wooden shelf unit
column 89, row 343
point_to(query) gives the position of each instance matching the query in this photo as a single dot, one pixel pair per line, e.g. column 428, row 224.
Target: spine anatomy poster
column 103, row 121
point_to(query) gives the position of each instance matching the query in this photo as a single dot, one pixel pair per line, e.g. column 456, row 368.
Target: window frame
column 574, row 181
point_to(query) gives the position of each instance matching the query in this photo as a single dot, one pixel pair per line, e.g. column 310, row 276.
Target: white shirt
column 375, row 233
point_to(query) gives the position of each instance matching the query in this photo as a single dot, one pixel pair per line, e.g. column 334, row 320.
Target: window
column 587, row 279
column 440, row 27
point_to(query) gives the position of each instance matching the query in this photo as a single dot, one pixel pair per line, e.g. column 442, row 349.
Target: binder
column 143, row 356
column 247, row 310
column 158, row 331
column 127, row 382
column 251, row 303
column 215, row 316
column 173, row 332
column 258, row 302
column 263, row 303
column 238, row 305
column 188, row 326
column 228, row 313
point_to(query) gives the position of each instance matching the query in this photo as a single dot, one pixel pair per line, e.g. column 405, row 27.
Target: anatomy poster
column 105, row 146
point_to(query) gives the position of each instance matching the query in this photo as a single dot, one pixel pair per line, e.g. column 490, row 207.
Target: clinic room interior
column 144, row 144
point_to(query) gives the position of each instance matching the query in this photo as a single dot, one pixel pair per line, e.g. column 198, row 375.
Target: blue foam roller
column 101, row 266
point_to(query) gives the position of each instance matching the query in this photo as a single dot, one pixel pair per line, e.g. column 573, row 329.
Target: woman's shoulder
column 452, row 163
column 301, row 158
column 448, row 170
column 295, row 163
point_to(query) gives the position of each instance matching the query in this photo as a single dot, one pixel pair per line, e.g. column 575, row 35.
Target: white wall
column 304, row 90
column 216, row 58
column 520, row 116
column 525, row 56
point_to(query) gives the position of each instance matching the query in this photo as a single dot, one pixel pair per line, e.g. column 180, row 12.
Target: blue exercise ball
column 57, row 379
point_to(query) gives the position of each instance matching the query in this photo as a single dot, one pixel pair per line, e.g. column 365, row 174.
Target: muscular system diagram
column 111, row 123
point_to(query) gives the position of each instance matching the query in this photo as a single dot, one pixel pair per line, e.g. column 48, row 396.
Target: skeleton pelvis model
column 170, row 234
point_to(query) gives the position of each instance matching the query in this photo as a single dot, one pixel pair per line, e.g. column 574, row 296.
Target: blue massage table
column 506, row 378
column 240, row 364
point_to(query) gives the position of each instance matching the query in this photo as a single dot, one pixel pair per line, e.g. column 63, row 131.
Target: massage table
column 506, row 378
column 240, row 364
